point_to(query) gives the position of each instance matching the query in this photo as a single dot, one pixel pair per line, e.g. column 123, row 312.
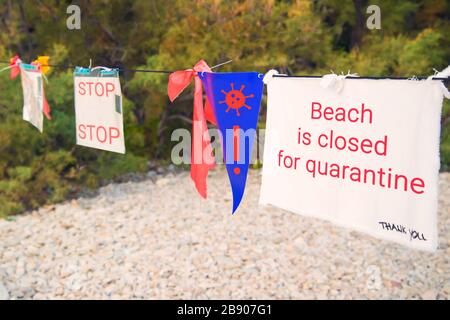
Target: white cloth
column 33, row 98
column 400, row 120
column 99, row 115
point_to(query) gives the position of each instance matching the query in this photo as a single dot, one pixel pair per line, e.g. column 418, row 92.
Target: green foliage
column 111, row 166
column 306, row 37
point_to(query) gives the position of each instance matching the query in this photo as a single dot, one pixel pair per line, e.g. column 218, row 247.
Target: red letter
column 313, row 169
column 279, row 157
column 320, row 139
column 366, row 146
column 81, row 90
column 353, row 144
column 105, row 134
column 81, row 132
column 306, row 138
column 350, row 115
column 90, row 87
column 363, row 112
column 112, row 135
column 383, row 143
column 313, row 110
column 90, row 130
column 326, row 112
column 336, row 143
column 109, row 88
column 96, row 90
column 420, row 184
column 405, row 182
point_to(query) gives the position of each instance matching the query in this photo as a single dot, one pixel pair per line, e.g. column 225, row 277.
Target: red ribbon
column 46, row 107
column 201, row 144
column 14, row 67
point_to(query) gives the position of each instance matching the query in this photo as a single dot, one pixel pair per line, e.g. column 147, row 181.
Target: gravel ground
column 156, row 239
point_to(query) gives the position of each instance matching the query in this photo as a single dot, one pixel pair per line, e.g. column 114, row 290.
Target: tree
column 296, row 36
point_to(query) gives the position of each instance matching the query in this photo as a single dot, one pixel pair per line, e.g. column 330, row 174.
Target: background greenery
column 303, row 37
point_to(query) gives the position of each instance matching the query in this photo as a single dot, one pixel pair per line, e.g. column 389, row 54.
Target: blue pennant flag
column 235, row 99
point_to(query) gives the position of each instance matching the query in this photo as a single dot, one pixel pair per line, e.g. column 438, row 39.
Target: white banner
column 33, row 95
column 363, row 154
column 98, row 109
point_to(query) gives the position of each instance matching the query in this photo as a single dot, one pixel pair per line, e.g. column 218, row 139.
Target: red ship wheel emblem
column 235, row 99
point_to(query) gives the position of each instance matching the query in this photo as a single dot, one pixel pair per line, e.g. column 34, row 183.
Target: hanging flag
column 363, row 154
column 202, row 159
column 35, row 102
column 236, row 100
column 98, row 109
column 33, row 95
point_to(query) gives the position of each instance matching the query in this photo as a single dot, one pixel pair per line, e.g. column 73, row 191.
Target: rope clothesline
column 67, row 66
column 365, row 77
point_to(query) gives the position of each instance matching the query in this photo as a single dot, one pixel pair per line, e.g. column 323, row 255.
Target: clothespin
column 42, row 63
column 334, row 81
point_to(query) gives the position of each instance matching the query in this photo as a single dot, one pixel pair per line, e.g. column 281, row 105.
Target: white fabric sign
column 98, row 109
column 33, row 98
column 363, row 154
